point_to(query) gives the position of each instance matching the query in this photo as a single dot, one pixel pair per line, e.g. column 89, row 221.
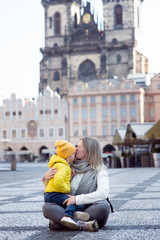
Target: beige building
column 152, row 100
column 32, row 125
column 97, row 108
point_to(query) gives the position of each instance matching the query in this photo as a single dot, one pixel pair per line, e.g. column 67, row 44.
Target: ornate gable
column 87, row 30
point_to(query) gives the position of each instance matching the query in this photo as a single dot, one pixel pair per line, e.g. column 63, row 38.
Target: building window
column 44, row 81
column 20, row 113
column 51, row 132
column 132, row 111
column 113, row 128
column 14, row 113
column 57, row 23
column 60, row 132
column 41, row 112
column 104, row 87
column 50, row 22
column 4, row 134
column 14, row 133
column 75, row 131
column 113, row 99
column 158, row 86
column 118, row 58
column 56, row 76
column 104, row 99
column 75, row 100
column 118, row 15
column 87, row 71
column 123, row 112
column 7, row 114
column 75, row 114
column 84, row 113
column 132, row 98
column 93, row 113
column 32, row 129
column 104, row 112
column 104, row 130
column 113, row 112
column 48, row 111
column 79, row 88
column 23, row 133
column 127, row 86
column 58, row 90
column 55, row 111
column 123, row 98
column 151, row 98
column 84, row 131
column 41, row 133
column 93, row 130
column 151, row 113
column 75, row 20
column 92, row 99
column 84, row 100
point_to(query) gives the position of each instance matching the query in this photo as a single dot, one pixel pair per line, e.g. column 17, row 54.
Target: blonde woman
column 89, row 187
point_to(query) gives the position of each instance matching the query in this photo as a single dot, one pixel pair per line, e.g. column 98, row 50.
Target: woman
column 89, row 187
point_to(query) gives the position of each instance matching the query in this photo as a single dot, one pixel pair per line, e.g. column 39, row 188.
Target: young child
column 58, row 187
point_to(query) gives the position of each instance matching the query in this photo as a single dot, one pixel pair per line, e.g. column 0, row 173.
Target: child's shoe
column 69, row 222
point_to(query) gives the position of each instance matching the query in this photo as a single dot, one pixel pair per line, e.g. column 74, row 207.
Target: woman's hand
column 50, row 173
column 70, row 200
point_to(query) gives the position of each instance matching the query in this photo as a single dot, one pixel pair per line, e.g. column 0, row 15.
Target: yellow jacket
column 61, row 180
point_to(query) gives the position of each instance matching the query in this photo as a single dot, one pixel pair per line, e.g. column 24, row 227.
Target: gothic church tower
column 123, row 37
column 61, row 16
column 77, row 50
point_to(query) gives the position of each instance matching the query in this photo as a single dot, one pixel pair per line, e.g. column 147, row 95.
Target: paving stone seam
column 138, row 227
column 132, row 190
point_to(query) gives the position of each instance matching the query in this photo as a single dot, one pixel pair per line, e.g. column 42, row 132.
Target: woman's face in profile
column 80, row 153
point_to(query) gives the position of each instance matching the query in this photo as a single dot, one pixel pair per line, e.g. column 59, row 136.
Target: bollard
column 13, row 163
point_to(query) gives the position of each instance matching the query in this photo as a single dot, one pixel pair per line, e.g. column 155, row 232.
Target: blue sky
column 22, row 35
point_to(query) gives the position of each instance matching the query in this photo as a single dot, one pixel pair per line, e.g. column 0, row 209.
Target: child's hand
column 73, row 173
column 50, row 174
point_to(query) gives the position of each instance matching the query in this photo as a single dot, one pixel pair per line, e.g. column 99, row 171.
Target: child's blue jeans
column 59, row 198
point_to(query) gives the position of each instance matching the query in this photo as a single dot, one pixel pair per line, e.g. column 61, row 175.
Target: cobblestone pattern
column 134, row 193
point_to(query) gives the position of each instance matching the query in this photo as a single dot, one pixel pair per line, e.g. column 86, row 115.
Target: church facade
column 77, row 48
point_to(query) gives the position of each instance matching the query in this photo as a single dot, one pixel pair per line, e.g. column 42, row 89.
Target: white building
column 33, row 125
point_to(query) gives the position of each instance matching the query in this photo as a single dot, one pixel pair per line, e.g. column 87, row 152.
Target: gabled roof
column 154, row 131
column 133, row 133
column 141, row 128
column 119, row 136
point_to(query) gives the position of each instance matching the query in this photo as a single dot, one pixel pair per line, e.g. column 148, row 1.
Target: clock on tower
column 86, row 18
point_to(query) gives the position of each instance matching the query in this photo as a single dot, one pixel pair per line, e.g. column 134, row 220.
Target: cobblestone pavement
column 134, row 193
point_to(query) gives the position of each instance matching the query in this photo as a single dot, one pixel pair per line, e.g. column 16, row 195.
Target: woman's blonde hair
column 93, row 152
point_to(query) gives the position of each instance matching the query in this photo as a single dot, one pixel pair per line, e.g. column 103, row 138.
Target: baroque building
column 152, row 100
column 80, row 47
column 97, row 109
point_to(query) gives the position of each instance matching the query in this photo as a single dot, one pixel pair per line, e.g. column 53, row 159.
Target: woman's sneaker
column 91, row 226
column 69, row 222
column 84, row 216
